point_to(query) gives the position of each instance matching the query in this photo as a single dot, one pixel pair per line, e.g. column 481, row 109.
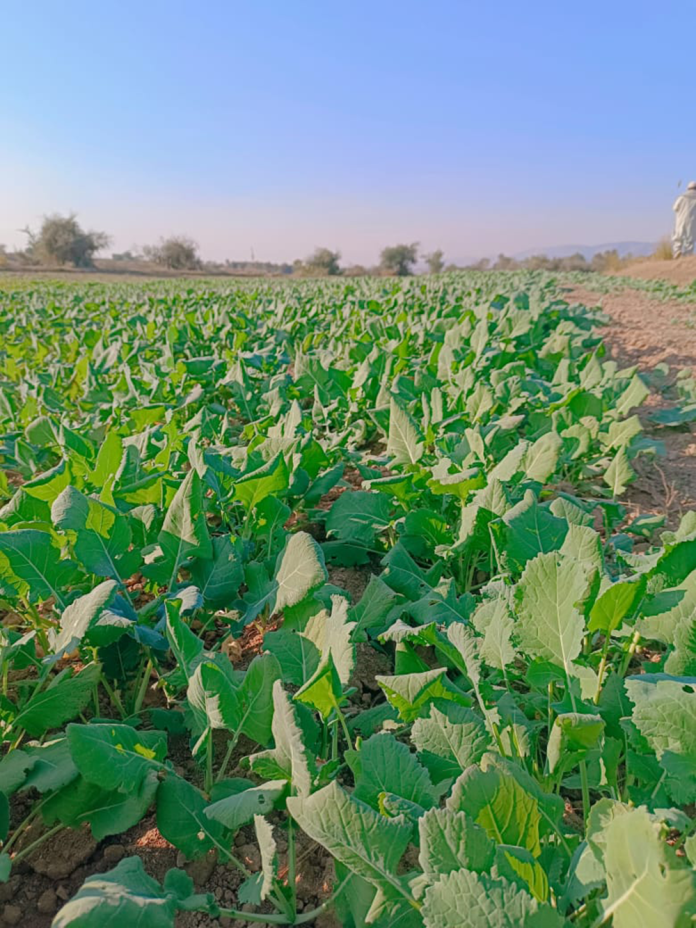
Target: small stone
column 201, row 870
column 250, row 855
column 240, row 839
column 180, row 859
column 114, row 852
column 7, row 891
column 225, row 921
column 248, row 907
column 47, row 902
column 62, row 893
column 12, row 915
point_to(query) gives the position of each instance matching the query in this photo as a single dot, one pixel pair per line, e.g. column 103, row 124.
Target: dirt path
column 648, row 332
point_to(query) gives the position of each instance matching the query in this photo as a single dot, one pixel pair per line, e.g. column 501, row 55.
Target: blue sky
column 282, row 126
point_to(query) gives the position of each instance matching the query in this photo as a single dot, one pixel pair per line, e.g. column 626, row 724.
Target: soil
column 681, row 272
column 646, row 332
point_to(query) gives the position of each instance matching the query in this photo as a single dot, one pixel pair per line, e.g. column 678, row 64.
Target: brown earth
column 680, row 272
column 647, row 332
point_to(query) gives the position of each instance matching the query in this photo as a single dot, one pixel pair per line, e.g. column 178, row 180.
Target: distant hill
column 637, row 249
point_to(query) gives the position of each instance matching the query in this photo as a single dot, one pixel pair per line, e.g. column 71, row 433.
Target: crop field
column 321, row 604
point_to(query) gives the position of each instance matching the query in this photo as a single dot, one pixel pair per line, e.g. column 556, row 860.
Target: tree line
column 61, row 240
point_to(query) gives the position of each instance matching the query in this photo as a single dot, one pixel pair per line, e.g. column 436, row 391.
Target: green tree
column 399, row 259
column 435, row 261
column 62, row 240
column 324, row 261
column 178, row 252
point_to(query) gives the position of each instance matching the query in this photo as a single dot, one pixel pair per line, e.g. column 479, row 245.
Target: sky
column 279, row 127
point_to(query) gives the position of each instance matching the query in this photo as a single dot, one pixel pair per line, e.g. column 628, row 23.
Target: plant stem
column 140, row 696
column 230, row 748
column 602, row 669
column 585, row 786
column 208, row 785
column 114, row 697
column 291, row 866
column 20, row 855
column 629, row 654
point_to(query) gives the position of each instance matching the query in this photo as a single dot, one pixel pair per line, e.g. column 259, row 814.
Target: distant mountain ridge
column 637, row 249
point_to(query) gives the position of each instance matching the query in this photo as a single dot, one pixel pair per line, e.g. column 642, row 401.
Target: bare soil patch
column 647, row 332
column 682, row 271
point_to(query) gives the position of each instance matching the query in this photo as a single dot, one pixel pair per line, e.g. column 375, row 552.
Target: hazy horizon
column 474, row 130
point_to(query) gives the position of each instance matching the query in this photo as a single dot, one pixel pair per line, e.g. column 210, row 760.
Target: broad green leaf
column 450, row 841
column 182, row 819
column 80, row 615
column 220, row 578
column 385, row 765
column 299, row 571
column 450, row 739
column 357, row 836
column 102, row 535
column 240, row 808
column 64, row 698
column 357, row 517
column 619, row 473
column 464, row 899
column 271, row 478
column 288, row 759
column 184, row 532
column 125, row 895
column 496, row 801
column 115, row 756
column 256, row 693
column 35, row 560
column 404, row 443
column 410, row 693
column 572, row 736
column 549, row 626
column 647, row 886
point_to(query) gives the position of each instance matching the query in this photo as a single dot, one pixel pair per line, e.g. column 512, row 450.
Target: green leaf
column 410, row 693
column 102, row 534
column 300, row 570
column 357, row 517
column 288, row 759
column 450, row 841
column 214, row 700
column 549, row 626
column 297, row 655
column 182, row 819
column 257, row 888
column 108, row 813
column 256, row 693
column 619, row 473
column 614, row 605
column 64, row 698
column 240, row 808
column 323, row 690
column 496, row 801
column 450, row 739
column 220, row 578
column 270, row 479
column 125, row 895
column 464, row 899
column 518, row 866
column 184, row 532
column 529, row 530
column 115, row 756
column 404, row 443
column 360, row 838
column 385, row 765
column 573, row 736
column 78, row 617
column 647, row 886
column 35, row 560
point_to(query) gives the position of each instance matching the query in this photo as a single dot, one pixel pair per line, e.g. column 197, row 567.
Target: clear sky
column 279, row 126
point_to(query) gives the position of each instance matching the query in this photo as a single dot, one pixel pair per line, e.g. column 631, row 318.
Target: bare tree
column 61, row 240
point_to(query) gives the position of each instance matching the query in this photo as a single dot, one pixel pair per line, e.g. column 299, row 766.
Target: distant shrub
column 664, row 252
column 435, row 261
column 399, row 259
column 324, row 261
column 178, row 252
column 61, row 240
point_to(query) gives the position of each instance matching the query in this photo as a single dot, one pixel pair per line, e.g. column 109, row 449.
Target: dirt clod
column 47, row 902
column 12, row 915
